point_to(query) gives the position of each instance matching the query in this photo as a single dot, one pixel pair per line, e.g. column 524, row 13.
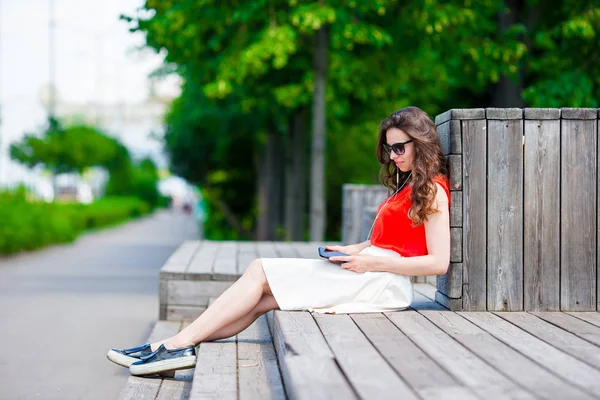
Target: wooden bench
column 200, row 270
column 427, row 352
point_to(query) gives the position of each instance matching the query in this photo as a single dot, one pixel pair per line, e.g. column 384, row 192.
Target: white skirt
column 324, row 287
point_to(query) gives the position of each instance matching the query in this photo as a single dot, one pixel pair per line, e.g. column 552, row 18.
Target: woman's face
column 404, row 161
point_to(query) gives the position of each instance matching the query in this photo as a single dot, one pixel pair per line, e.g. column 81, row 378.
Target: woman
column 410, row 237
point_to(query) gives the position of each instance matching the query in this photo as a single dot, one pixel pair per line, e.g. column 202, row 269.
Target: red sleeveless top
column 393, row 228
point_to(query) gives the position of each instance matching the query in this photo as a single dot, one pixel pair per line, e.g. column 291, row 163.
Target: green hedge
column 27, row 225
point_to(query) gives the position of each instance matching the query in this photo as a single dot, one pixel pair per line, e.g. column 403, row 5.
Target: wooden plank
column 305, row 250
column 565, row 341
column 578, row 215
column 450, row 303
column 183, row 313
column 456, row 245
column 541, row 270
column 455, row 137
column 460, row 113
column 179, row 261
column 266, row 250
column 178, row 388
column 144, row 388
column 422, row 374
column 474, row 207
column 215, row 376
column 569, row 368
column 503, row 113
column 258, row 371
column 443, row 132
column 505, row 215
column 454, row 162
column 456, row 208
column 297, row 333
column 247, row 254
column 194, row 293
column 307, row 364
column 591, row 317
column 314, row 378
column 510, row 362
column 369, row 374
column 450, row 283
column 541, row 113
column 285, row 250
column 578, row 113
column 466, row 367
column 225, row 265
column 201, row 266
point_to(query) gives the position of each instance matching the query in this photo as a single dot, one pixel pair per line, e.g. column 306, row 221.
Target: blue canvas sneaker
column 164, row 361
column 126, row 357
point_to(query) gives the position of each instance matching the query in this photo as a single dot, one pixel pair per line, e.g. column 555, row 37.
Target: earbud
column 397, row 177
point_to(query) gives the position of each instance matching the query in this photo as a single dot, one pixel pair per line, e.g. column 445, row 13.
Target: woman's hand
column 350, row 249
column 358, row 263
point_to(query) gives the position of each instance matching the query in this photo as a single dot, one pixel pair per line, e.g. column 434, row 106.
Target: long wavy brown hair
column 428, row 160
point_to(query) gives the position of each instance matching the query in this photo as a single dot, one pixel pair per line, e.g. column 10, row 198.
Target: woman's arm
column 437, row 233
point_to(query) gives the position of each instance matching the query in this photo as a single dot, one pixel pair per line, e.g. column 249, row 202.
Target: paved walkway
column 62, row 308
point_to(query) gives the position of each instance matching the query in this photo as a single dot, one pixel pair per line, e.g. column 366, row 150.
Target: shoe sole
column 121, row 359
column 165, row 366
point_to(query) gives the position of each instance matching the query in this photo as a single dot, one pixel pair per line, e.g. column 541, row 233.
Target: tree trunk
column 275, row 179
column 317, row 198
column 262, row 190
column 508, row 93
column 295, row 185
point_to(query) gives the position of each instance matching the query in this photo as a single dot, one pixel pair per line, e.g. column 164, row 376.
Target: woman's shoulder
column 442, row 180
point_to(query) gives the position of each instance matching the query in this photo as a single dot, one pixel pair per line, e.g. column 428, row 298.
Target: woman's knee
column 255, row 271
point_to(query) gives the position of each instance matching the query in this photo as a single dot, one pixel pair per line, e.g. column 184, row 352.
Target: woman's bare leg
column 228, row 309
column 266, row 304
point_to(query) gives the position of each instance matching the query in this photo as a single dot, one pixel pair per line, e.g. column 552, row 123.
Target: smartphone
column 328, row 253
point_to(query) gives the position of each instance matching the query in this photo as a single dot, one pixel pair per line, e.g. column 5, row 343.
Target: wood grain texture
column 454, row 162
column 422, row 373
column 450, row 303
column 450, row 284
column 541, row 113
column 443, row 132
column 577, row 327
column 369, row 374
column 246, row 254
column 194, row 293
column 578, row 215
column 179, row 261
column 266, row 249
column 560, row 363
column 541, row 269
column 466, row 367
column 503, row 113
column 474, row 212
column 258, row 372
column 460, row 113
column 225, row 265
column 455, row 137
column 456, row 209
column 354, row 199
column 307, row 365
column 201, row 266
column 456, row 245
column 520, row 369
column 215, row 376
column 505, row 215
column 590, row 317
column 578, row 113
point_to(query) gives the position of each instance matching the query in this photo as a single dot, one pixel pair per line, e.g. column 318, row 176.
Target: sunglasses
column 398, row 148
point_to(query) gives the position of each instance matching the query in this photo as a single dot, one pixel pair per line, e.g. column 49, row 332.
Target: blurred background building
column 77, row 61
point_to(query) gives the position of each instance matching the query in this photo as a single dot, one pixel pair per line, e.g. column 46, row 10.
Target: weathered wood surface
column 354, row 200
column 474, row 211
column 542, row 217
column 578, row 279
column 505, row 215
